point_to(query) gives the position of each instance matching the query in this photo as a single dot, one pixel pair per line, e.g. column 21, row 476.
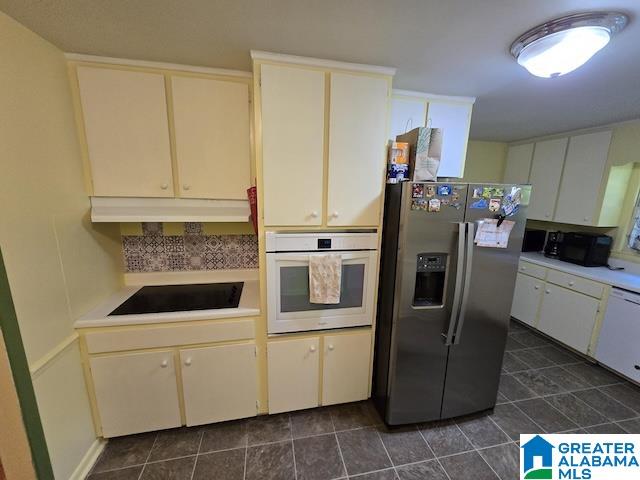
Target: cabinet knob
column 637, row 367
column 547, row 291
column 164, row 364
column 164, row 186
column 187, row 362
column 572, row 283
column 546, row 215
column 186, row 187
column 586, row 219
column 314, row 214
column 331, row 347
column 537, row 287
column 334, row 215
column 523, row 268
column 312, row 348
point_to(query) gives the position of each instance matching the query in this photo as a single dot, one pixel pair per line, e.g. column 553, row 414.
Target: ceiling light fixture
column 566, row 43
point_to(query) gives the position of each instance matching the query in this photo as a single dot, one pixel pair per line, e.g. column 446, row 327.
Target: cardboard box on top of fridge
column 425, row 150
column 398, row 164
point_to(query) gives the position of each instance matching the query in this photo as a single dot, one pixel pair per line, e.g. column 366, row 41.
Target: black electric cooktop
column 181, row 298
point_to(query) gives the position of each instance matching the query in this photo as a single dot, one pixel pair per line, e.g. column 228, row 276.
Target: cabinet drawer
column 169, row 335
column 532, row 269
column 579, row 284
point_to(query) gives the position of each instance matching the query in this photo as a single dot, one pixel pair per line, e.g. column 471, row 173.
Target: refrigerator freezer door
column 427, row 253
column 475, row 358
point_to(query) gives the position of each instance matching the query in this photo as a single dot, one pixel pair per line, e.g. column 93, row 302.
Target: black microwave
column 586, row 249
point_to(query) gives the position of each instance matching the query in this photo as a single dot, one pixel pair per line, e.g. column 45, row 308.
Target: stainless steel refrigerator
column 444, row 302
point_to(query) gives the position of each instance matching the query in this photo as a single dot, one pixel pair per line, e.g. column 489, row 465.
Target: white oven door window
column 288, row 293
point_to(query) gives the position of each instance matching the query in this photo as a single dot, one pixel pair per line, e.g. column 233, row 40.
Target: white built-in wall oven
column 288, row 306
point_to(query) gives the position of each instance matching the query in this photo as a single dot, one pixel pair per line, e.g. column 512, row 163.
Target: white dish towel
column 325, row 276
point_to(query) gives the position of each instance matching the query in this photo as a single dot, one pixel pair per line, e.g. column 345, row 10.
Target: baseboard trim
column 83, row 469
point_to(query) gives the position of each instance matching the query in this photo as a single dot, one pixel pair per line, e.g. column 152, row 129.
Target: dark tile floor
column 544, row 388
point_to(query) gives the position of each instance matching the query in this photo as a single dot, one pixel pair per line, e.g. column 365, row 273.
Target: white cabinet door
column 583, row 175
column 293, row 104
column 568, row 316
column 211, row 119
column 526, row 299
column 518, row 163
column 219, row 383
column 293, row 371
column 127, row 131
column 454, row 118
column 346, row 370
column 546, row 170
column 357, row 147
column 136, row 392
column 407, row 113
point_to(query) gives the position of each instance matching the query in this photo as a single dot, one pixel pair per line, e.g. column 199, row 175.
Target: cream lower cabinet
column 568, row 316
column 219, row 383
column 293, row 367
column 294, row 370
column 564, row 306
column 136, row 392
column 345, row 373
column 526, row 299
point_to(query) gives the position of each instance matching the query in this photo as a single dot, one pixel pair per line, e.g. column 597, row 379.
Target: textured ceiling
column 451, row 47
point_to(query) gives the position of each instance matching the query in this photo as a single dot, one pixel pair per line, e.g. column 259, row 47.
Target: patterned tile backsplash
column 155, row 252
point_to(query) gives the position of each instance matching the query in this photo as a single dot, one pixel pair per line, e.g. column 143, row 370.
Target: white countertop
column 249, row 299
column 616, row 278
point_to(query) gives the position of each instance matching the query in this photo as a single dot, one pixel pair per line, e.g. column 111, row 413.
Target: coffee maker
column 552, row 248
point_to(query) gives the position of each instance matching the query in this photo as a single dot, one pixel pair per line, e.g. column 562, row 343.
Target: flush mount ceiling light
column 564, row 44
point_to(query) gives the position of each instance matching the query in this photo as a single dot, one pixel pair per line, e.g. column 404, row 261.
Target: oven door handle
column 297, row 257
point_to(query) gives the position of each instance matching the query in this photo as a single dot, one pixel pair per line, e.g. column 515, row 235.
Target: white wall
column 58, row 264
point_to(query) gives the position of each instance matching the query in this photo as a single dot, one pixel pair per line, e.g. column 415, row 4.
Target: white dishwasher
column 619, row 343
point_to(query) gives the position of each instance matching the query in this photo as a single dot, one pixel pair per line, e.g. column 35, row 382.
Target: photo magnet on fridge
column 494, row 204
column 480, row 204
column 434, row 205
column 417, row 190
column 430, row 191
column 444, row 190
column 477, row 193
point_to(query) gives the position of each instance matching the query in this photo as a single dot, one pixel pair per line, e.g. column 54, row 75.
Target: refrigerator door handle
column 455, row 307
column 467, row 281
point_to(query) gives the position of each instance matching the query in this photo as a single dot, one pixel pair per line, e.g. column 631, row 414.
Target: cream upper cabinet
column 526, row 299
column 346, row 372
column 219, row 383
column 293, row 118
column 127, row 132
column 407, row 112
column 211, row 122
column 410, row 109
column 568, row 316
column 293, row 369
column 546, row 170
column 584, row 170
column 454, row 118
column 518, row 163
column 357, row 145
column 136, row 392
